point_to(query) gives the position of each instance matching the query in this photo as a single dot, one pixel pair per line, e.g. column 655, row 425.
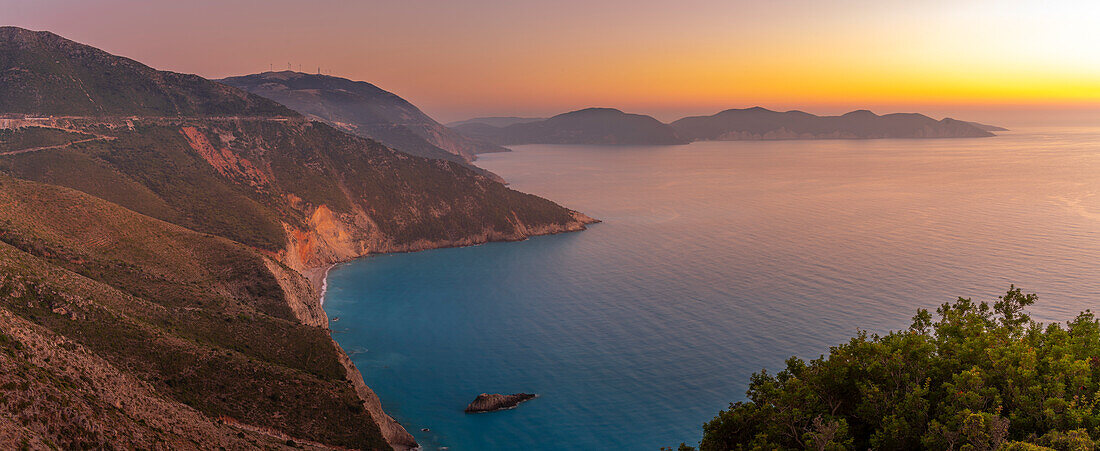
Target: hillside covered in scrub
column 366, row 110
column 978, row 377
column 158, row 232
column 122, row 329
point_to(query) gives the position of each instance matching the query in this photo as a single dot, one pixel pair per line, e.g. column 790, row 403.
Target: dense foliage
column 978, row 377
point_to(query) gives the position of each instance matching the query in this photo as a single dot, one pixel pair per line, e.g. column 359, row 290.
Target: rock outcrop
column 486, row 402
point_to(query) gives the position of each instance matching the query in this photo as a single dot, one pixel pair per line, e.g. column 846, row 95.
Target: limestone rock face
column 492, row 402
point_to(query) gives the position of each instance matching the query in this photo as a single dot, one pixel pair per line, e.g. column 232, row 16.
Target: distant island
column 587, row 126
column 496, row 121
column 611, row 126
column 763, row 124
column 988, row 128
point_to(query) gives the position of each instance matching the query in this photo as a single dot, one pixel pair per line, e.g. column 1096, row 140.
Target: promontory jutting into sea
column 716, row 226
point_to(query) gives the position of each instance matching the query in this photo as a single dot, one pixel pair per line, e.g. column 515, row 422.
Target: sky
column 1009, row 61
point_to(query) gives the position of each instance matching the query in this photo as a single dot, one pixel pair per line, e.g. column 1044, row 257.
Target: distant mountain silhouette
column 366, row 110
column 497, row 121
column 763, row 124
column 45, row 74
column 587, row 126
column 987, row 127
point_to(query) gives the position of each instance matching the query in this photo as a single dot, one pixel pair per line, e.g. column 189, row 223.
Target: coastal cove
column 714, row 260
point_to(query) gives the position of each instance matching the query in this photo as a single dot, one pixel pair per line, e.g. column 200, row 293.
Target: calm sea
column 714, row 260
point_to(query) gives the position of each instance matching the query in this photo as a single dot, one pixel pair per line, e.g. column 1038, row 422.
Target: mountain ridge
column 596, row 125
column 132, row 195
column 496, row 121
column 753, row 123
column 757, row 123
column 41, row 77
column 363, row 109
column 987, row 127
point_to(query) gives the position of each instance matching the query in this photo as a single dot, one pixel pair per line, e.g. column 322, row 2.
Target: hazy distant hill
column 587, row 126
column 987, row 127
column 759, row 123
column 46, row 74
column 167, row 302
column 363, row 109
column 497, row 121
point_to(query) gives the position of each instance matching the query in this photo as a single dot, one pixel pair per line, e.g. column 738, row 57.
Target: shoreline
column 324, row 285
column 318, row 279
column 318, row 275
column 394, row 432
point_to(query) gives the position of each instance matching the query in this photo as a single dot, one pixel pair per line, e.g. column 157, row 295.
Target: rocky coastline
column 394, row 433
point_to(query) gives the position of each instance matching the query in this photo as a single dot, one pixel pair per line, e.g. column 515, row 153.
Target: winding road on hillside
column 51, row 122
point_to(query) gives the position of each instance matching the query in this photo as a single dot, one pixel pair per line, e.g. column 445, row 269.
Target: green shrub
column 979, row 377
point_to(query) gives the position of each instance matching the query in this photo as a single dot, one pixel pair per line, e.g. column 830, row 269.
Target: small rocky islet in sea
column 486, row 402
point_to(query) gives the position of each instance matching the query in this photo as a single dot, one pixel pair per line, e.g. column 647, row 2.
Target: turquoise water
column 714, row 260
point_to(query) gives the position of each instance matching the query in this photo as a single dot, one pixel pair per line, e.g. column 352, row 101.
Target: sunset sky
column 988, row 60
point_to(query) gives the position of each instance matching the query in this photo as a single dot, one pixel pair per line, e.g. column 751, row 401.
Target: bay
column 714, row 260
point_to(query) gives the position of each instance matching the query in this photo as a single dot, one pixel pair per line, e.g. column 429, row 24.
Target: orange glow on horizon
column 497, row 57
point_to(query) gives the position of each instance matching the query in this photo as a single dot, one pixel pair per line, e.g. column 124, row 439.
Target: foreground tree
column 976, row 378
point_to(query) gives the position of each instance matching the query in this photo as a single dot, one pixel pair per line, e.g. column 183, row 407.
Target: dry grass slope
column 199, row 320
